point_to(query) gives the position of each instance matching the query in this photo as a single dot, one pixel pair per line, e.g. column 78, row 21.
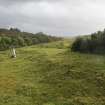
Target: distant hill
column 13, row 37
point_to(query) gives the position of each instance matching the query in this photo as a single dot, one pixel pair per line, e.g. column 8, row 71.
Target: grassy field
column 50, row 74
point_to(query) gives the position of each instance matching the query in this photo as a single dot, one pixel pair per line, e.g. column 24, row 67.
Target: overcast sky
column 55, row 17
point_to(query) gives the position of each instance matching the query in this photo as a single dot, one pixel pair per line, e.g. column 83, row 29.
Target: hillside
column 14, row 37
column 49, row 74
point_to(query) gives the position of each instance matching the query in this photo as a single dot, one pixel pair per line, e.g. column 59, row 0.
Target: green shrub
column 95, row 43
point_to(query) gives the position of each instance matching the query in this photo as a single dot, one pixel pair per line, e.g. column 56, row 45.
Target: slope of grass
column 49, row 74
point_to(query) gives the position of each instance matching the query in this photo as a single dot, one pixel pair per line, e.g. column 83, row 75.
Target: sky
column 55, row 17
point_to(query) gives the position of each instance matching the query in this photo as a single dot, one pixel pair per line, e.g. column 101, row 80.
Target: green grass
column 50, row 74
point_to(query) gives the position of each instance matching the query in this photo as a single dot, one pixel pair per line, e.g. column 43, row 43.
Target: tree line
column 13, row 37
column 94, row 43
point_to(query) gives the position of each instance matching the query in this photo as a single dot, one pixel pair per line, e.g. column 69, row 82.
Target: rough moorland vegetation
column 49, row 74
column 13, row 37
column 95, row 43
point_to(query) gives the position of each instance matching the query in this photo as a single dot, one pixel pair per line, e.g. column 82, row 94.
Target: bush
column 90, row 44
column 76, row 46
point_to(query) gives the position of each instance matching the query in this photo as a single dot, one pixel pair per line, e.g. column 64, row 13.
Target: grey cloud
column 11, row 2
column 57, row 17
